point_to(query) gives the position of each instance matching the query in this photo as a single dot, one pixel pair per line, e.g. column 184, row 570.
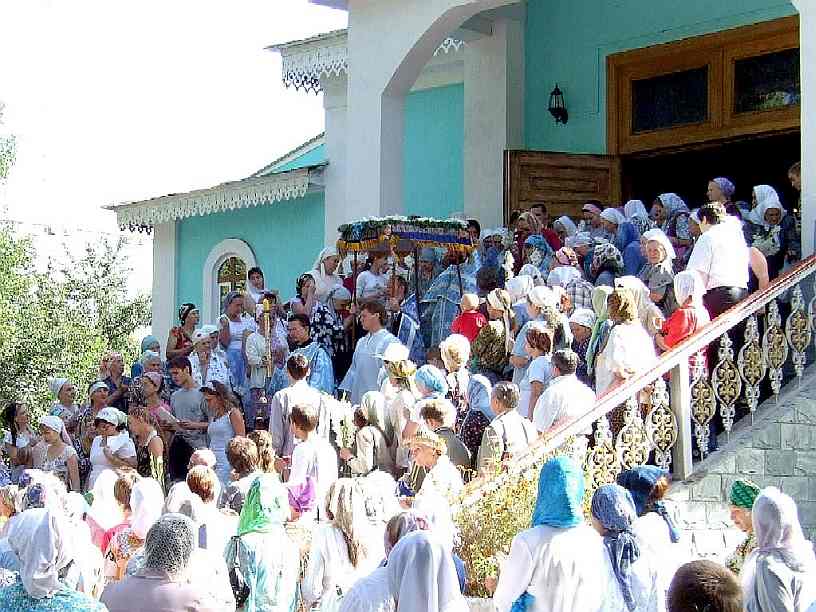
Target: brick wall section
column 779, row 449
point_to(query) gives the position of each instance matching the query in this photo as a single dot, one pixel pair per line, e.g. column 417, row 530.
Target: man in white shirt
column 566, row 397
column 721, row 258
column 363, row 375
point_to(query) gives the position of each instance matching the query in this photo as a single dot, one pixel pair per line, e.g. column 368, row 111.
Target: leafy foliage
column 61, row 322
column 8, row 149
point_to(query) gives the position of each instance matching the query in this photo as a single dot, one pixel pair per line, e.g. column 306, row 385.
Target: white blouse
column 629, row 351
column 329, row 565
column 648, row 595
column 370, row 594
column 370, row 285
column 443, row 479
column 558, row 567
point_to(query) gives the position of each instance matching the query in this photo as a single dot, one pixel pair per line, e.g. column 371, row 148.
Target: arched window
column 225, row 270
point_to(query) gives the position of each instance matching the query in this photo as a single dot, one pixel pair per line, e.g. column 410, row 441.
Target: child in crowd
column 470, row 321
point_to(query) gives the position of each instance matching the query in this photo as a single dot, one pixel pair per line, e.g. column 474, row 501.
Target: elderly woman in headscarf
column 658, row 273
column 180, row 339
column 343, row 550
column 372, row 449
column 778, row 575
column 430, row 384
column 542, row 307
column 43, row 542
column 629, row 350
column 591, row 222
column 534, row 273
column 65, row 406
column 538, row 252
column 722, row 190
column 656, row 525
column 768, row 229
column 672, row 214
column 324, row 272
column 606, row 265
column 637, row 215
column 160, row 584
column 690, row 315
column 631, row 575
column 422, row 576
column 564, row 227
column 149, row 343
column 614, row 223
column 741, row 501
column 492, row 347
column 146, row 504
column 564, row 268
column 470, row 393
column 554, row 565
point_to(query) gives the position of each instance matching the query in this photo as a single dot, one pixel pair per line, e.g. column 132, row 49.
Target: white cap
column 583, row 316
column 396, row 351
column 199, row 335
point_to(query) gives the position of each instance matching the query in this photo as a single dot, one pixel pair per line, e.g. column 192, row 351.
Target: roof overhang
column 249, row 192
column 335, row 4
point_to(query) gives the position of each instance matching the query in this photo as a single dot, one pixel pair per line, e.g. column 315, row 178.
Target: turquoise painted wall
column 433, row 166
column 271, row 231
column 567, row 42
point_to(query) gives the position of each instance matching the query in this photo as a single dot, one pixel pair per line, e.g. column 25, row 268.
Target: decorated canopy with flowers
column 377, row 232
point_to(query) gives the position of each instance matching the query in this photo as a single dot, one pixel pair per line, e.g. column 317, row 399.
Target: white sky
column 113, row 101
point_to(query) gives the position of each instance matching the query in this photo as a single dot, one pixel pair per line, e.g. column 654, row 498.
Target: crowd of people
column 214, row 476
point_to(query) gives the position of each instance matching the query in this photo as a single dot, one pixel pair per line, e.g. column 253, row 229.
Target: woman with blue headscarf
column 655, row 526
column 553, row 566
column 632, row 578
column 538, row 252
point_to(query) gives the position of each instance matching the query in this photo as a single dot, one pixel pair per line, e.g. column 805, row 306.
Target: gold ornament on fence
column 661, row 425
column 751, row 363
column 602, row 465
column 703, row 402
column 632, row 444
column 798, row 331
column 726, row 382
column 775, row 346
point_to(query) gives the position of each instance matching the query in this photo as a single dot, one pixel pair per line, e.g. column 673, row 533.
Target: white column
column 494, row 115
column 164, row 281
column 335, row 103
column 807, row 63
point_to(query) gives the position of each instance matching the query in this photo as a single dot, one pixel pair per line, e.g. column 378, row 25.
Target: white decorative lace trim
column 304, row 63
column 249, row 192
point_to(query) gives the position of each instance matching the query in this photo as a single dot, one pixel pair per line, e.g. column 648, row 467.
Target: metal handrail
column 675, row 359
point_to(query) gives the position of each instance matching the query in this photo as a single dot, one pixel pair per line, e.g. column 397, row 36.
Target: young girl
column 539, row 372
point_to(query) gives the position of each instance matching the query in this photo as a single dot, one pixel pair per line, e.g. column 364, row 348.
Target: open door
column 563, row 181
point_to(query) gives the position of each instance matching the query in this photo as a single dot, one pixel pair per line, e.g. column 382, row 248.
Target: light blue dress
column 220, row 432
column 15, row 599
column 321, row 371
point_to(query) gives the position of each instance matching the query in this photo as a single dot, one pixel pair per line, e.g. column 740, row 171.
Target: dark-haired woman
column 180, row 340
column 721, row 258
column 226, row 422
column 19, row 440
column 149, row 445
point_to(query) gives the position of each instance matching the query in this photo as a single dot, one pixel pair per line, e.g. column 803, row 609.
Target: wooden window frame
column 720, row 52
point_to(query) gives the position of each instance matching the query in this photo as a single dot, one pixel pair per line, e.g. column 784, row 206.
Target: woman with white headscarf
column 658, row 273
column 422, row 576
column 564, row 227
column 768, row 229
column 43, row 542
column 373, row 450
column 637, row 215
column 518, row 287
column 60, row 456
column 690, row 314
column 493, row 345
column 146, row 505
column 160, row 584
column 780, row 575
column 324, row 272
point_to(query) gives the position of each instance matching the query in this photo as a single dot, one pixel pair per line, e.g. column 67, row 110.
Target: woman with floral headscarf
column 263, row 550
column 656, row 525
column 343, row 550
column 492, row 347
column 742, row 496
column 553, row 566
column 607, row 264
column 538, row 252
column 180, row 340
column 672, row 214
column 722, row 190
column 637, row 215
column 780, row 575
column 632, row 578
column 43, row 542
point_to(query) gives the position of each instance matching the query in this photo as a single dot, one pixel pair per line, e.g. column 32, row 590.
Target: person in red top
column 540, row 212
column 690, row 315
column 470, row 321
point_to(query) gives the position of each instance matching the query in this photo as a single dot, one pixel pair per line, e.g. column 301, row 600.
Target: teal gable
column 433, row 154
column 568, row 42
column 314, row 157
column 271, row 232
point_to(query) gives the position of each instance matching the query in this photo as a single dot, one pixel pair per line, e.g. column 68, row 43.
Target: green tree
column 8, row 149
column 61, row 322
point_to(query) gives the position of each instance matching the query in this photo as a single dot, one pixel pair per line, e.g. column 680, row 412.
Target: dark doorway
column 758, row 161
